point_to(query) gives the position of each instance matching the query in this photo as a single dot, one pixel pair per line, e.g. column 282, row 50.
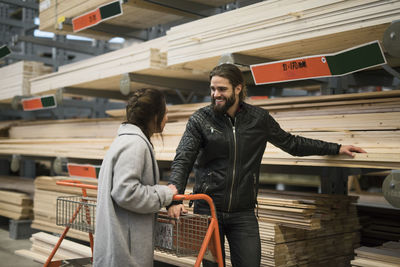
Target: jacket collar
column 128, row 128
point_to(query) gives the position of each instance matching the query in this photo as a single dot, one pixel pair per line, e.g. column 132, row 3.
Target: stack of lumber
column 280, row 29
column 45, row 204
column 17, row 183
column 14, row 78
column 305, row 210
column 298, row 242
column 46, row 193
column 379, row 224
column 43, row 244
column 290, row 240
column 287, row 107
column 375, row 131
column 16, row 194
column 104, row 72
column 387, row 255
column 136, row 15
column 15, row 205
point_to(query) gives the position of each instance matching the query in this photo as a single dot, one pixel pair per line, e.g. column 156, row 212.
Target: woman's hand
column 173, row 188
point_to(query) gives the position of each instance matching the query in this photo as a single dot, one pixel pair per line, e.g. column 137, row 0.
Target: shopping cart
column 190, row 235
column 76, row 212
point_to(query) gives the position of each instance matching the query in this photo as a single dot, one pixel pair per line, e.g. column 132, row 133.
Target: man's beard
column 222, row 109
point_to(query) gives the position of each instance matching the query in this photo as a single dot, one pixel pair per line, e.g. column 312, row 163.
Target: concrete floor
column 7, row 248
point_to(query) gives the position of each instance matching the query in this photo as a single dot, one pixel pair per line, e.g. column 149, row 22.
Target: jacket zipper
column 255, row 192
column 234, row 163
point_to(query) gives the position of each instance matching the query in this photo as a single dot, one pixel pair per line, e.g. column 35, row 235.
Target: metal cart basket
column 76, row 212
column 83, row 209
column 189, row 235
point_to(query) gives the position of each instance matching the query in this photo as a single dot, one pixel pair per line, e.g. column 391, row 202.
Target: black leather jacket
column 228, row 154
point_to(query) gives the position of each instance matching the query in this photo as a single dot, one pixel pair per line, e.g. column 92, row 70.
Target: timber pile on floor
column 14, row 78
column 46, row 193
column 45, row 203
column 277, row 30
column 379, row 225
column 281, row 245
column 43, row 244
column 387, row 255
column 289, row 243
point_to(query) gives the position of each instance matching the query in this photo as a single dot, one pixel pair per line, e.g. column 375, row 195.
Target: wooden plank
column 16, row 198
column 279, row 30
column 14, row 78
column 384, row 255
column 371, row 263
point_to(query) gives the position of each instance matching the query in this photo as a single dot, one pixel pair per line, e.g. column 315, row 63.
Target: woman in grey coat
column 128, row 196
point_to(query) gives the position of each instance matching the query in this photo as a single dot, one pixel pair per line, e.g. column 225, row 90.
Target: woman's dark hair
column 143, row 105
column 234, row 76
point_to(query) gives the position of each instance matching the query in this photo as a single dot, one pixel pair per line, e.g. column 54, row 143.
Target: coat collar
column 128, row 128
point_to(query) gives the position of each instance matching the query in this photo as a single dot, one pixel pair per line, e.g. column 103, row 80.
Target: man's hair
column 143, row 105
column 234, row 76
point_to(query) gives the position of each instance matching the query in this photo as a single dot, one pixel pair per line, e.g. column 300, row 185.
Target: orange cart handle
column 213, row 231
column 205, row 197
column 75, row 183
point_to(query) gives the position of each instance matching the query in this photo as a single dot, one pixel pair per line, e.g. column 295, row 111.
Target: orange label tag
column 82, row 170
column 32, row 104
column 89, row 19
column 287, row 70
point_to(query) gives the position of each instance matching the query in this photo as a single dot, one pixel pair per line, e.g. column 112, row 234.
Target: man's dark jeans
column 241, row 230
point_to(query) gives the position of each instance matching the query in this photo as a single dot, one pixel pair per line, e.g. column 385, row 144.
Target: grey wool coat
column 128, row 200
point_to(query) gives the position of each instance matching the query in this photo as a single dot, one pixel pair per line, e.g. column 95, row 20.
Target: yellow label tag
column 61, row 19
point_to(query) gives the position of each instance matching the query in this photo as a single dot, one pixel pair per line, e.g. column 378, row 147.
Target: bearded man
column 227, row 140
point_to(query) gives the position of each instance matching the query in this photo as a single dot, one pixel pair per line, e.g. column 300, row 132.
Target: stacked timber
column 305, row 210
column 379, row 224
column 286, row 107
column 376, row 131
column 16, row 197
column 105, row 72
column 45, row 204
column 387, row 255
column 43, row 244
column 13, row 183
column 14, row 78
column 135, row 14
column 305, row 229
column 45, row 207
column 280, row 29
column 287, row 238
column 15, row 205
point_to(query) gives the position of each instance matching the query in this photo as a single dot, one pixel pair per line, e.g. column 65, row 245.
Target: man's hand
column 176, row 210
column 173, row 188
column 349, row 149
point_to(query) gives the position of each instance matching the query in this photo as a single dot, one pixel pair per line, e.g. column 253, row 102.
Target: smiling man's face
column 223, row 97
